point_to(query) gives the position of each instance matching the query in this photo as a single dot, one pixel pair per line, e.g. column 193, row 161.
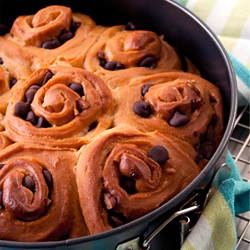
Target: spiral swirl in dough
column 71, row 119
column 168, row 94
column 129, row 48
column 39, row 200
column 45, row 24
column 123, row 153
column 69, row 30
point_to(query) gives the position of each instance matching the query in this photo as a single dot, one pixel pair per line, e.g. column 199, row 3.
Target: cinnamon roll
column 52, row 34
column 120, row 54
column 38, row 194
column 125, row 174
column 59, row 106
column 180, row 104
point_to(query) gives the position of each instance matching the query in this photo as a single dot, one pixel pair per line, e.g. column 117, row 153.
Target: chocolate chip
column 178, row 119
column 142, row 109
column 21, row 109
column 32, row 118
column 146, row 88
column 92, row 126
column 13, row 81
column 42, row 123
column 65, row 35
column 182, row 58
column 29, row 94
column 47, row 77
column 206, row 149
column 191, row 86
column 102, row 59
column 74, row 26
column 1, row 61
column 129, row 26
column 3, row 29
column 113, row 65
column 77, row 87
column 1, row 165
column 35, row 86
column 116, row 219
column 51, row 44
column 29, row 183
column 1, row 199
column 149, row 62
column 158, row 153
column 48, row 178
column 128, row 184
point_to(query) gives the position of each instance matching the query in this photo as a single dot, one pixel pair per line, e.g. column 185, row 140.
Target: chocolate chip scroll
column 122, row 53
column 180, row 104
column 38, row 194
column 125, row 174
column 52, row 34
column 59, row 106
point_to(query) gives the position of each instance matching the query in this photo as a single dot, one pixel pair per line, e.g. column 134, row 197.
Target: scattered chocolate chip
column 21, row 109
column 51, row 44
column 113, row 65
column 29, row 183
column 1, row 199
column 35, row 86
column 195, row 133
column 109, row 201
column 116, row 219
column 128, row 184
column 13, row 81
column 191, row 86
column 100, row 55
column 142, row 109
column 48, row 178
column 32, row 118
column 206, row 149
column 42, row 123
column 3, row 29
column 198, row 158
column 102, row 59
column 178, row 119
column 158, row 153
column 129, row 26
column 182, row 58
column 47, row 77
column 149, row 62
column 146, row 88
column 1, row 61
column 1, row 165
column 92, row 126
column 77, row 87
column 29, row 94
column 74, row 26
column 65, row 35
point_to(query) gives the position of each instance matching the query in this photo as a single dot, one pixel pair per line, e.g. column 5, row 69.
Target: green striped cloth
column 216, row 228
column 230, row 21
